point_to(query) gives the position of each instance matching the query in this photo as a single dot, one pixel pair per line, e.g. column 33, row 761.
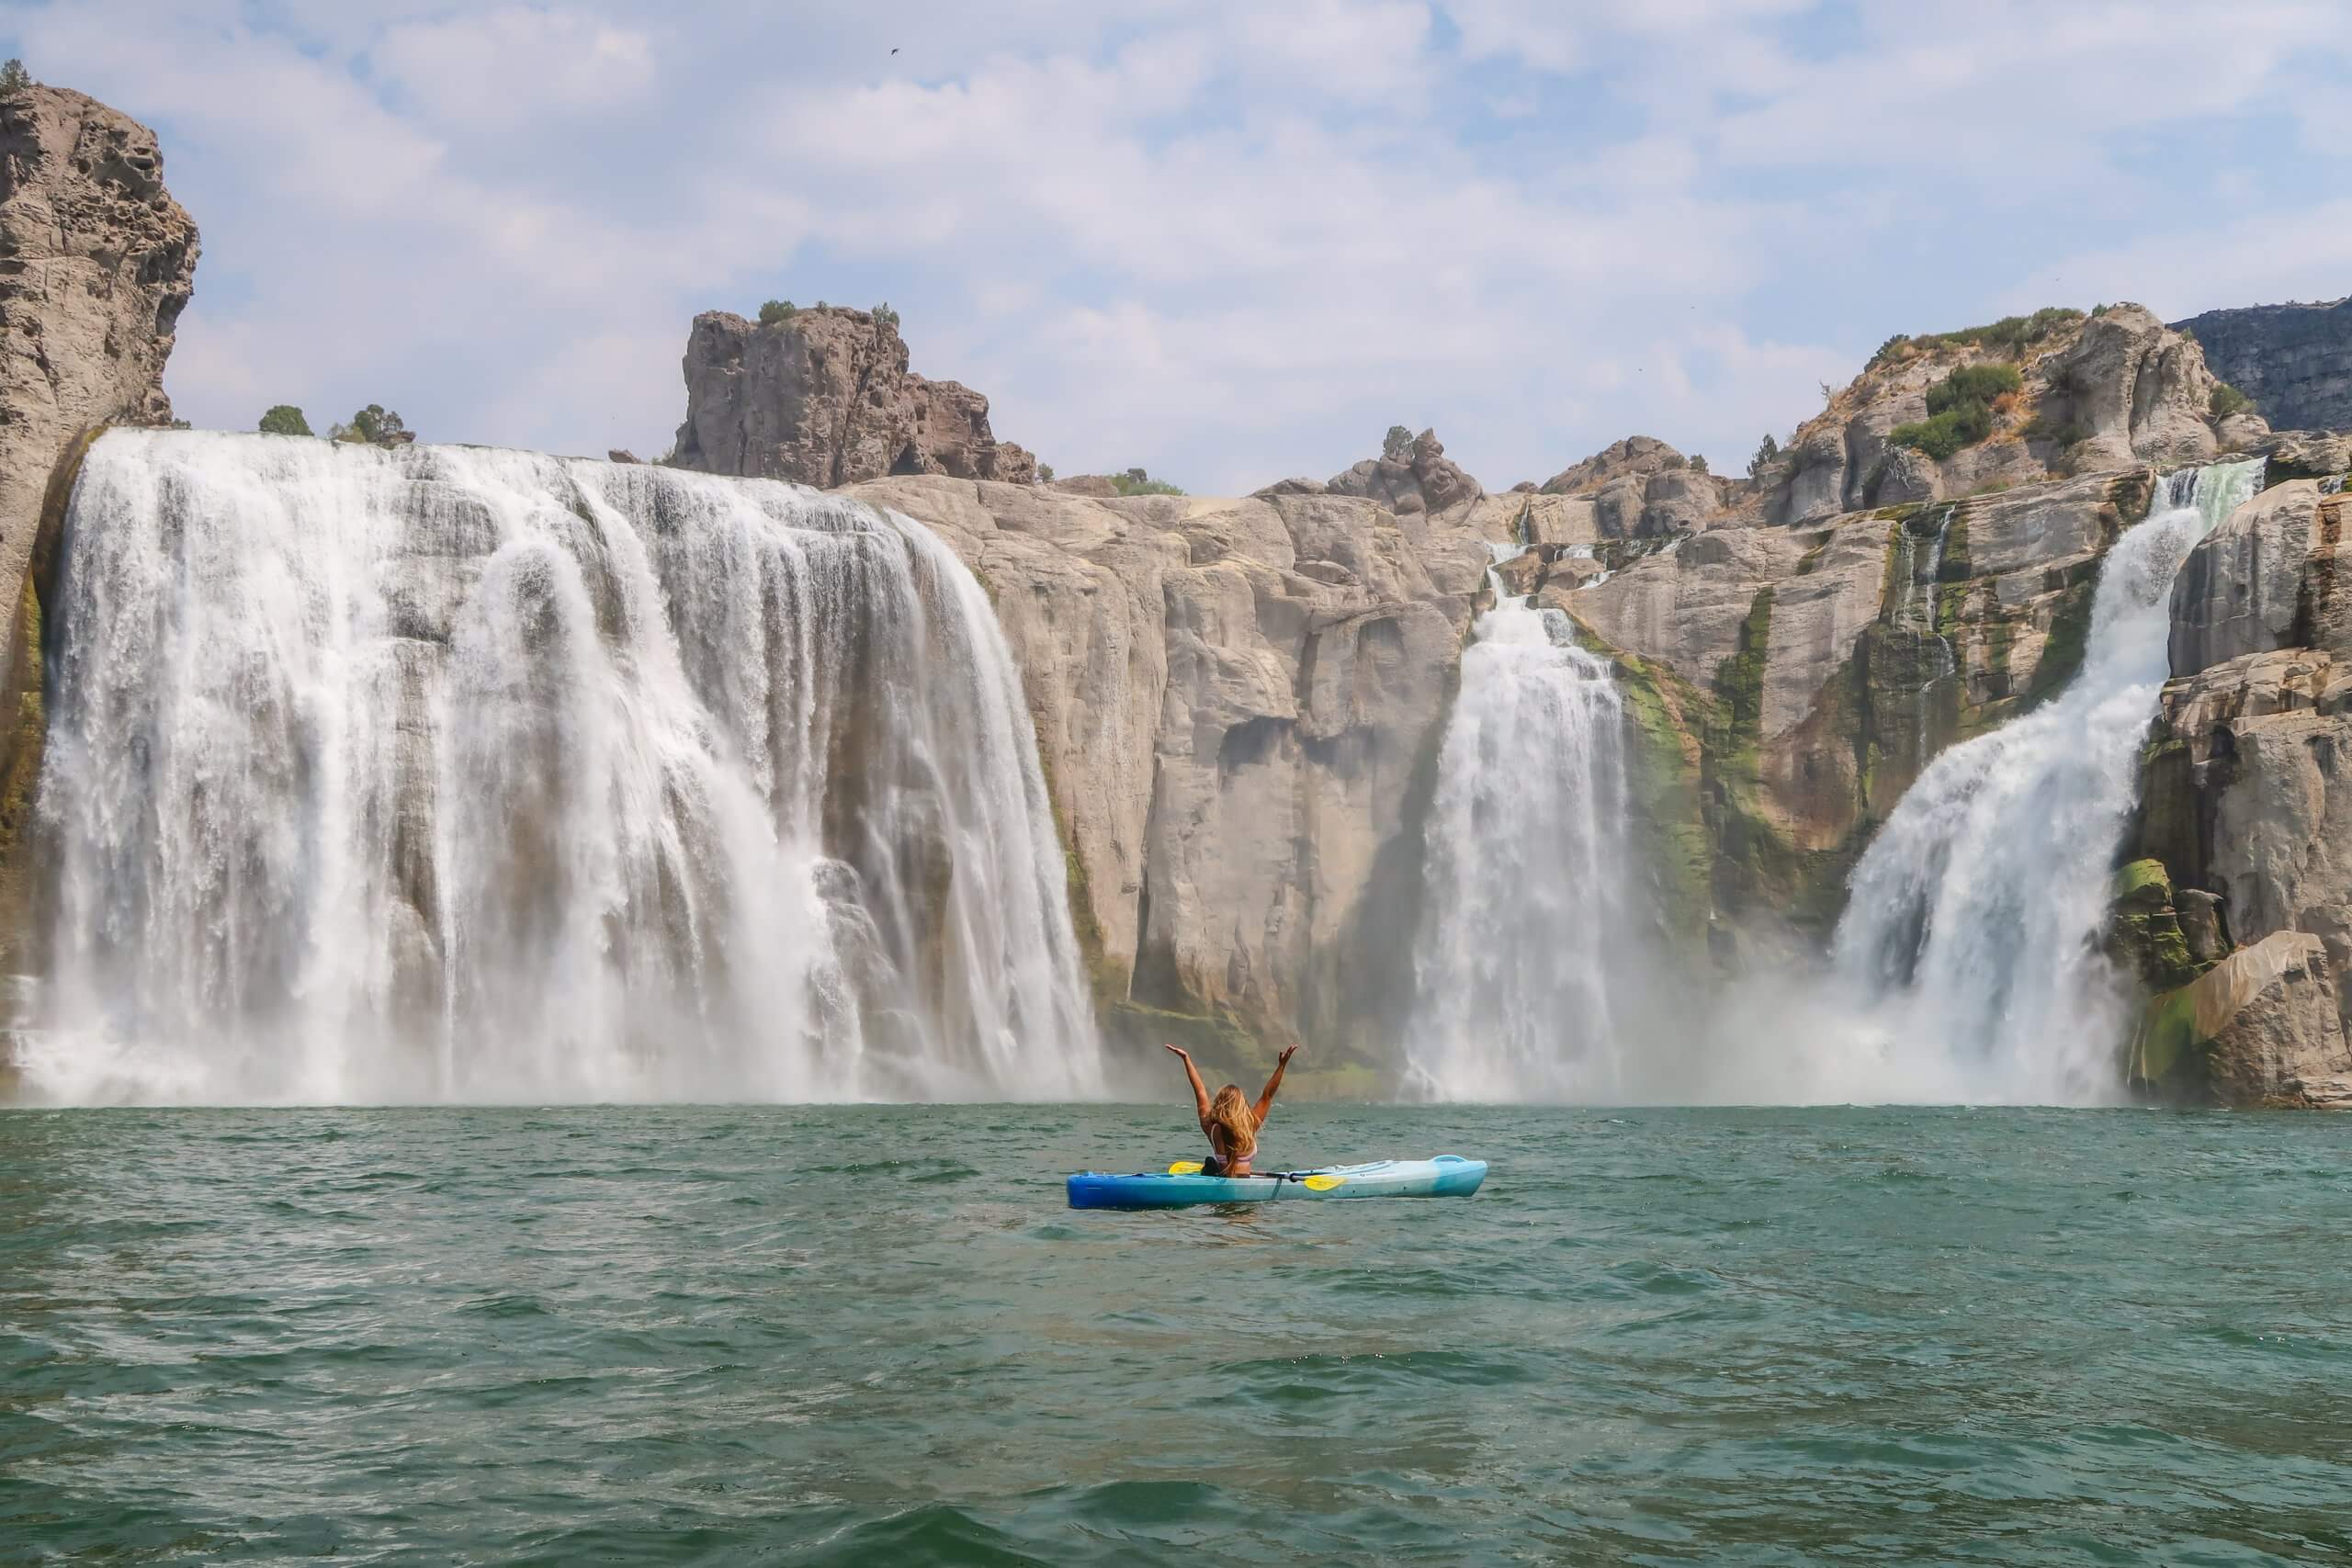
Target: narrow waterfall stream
column 1973, row 923
column 1528, row 887
column 451, row 773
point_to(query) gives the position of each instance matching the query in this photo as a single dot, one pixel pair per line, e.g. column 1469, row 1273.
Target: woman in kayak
column 1230, row 1121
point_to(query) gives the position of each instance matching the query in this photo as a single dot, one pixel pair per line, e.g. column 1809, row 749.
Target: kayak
column 1447, row 1176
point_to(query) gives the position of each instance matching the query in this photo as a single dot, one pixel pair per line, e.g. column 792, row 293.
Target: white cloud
column 2185, row 267
column 513, row 66
column 1224, row 240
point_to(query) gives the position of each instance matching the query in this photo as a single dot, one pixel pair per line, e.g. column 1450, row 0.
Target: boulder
column 2260, row 1028
column 1636, row 456
column 2307, row 455
column 1421, row 479
column 2135, row 390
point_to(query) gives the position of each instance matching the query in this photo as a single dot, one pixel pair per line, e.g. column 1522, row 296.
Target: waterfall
column 1527, row 888
column 1973, row 927
column 451, row 773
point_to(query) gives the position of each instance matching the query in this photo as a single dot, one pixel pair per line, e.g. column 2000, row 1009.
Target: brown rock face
column 96, row 261
column 826, row 399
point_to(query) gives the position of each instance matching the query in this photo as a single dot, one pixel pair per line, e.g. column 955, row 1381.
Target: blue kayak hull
column 1447, row 1176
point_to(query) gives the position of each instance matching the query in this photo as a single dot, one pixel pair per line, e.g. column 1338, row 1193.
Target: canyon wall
column 2295, row 361
column 1240, row 699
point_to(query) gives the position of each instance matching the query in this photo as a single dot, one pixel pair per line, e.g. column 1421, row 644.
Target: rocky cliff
column 2245, row 800
column 2295, row 361
column 824, row 397
column 96, row 262
column 1239, row 700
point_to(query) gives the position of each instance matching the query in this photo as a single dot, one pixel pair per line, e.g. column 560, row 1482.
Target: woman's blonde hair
column 1232, row 1112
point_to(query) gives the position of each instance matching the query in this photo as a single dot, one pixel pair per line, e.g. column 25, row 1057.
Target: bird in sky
column 894, row 51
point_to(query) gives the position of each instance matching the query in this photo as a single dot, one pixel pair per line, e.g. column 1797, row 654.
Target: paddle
column 1317, row 1183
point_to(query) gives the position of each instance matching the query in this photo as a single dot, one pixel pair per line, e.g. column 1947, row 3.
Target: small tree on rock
column 1397, row 444
column 1698, row 464
column 374, row 425
column 777, row 311
column 1767, row 452
column 284, row 419
column 14, row 78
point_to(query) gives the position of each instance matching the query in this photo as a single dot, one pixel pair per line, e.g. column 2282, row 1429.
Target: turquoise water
column 875, row 1335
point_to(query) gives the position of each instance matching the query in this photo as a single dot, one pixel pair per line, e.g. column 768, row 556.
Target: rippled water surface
column 875, row 1335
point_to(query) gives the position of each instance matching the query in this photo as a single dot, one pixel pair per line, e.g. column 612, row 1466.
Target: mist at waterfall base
column 1966, row 968
column 451, row 773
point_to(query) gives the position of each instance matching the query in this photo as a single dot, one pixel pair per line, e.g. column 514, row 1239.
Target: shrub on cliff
column 2011, row 335
column 886, row 316
column 1135, row 481
column 284, row 419
column 1940, row 436
column 14, row 78
column 1959, row 409
column 1397, row 444
column 1768, row 452
column 2225, row 400
column 1973, row 384
column 775, row 313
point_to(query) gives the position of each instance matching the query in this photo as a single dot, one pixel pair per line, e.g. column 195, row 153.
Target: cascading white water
column 1527, row 885
column 450, row 773
column 1974, row 918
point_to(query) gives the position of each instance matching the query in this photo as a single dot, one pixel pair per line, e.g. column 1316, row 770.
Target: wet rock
column 2261, row 1028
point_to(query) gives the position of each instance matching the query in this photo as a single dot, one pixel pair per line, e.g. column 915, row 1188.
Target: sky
column 1225, row 240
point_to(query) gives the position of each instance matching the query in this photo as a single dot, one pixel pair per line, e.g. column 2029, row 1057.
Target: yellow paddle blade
column 1325, row 1183
column 1185, row 1168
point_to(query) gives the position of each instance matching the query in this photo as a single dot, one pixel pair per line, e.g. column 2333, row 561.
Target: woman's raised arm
column 1266, row 1097
column 1200, row 1090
